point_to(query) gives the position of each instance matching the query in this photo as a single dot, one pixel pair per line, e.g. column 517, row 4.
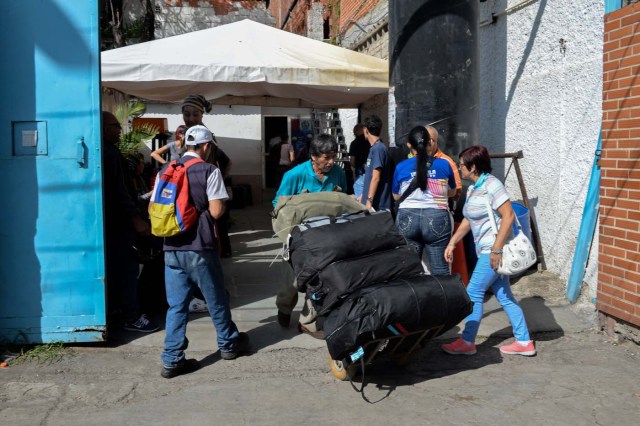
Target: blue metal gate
column 51, row 232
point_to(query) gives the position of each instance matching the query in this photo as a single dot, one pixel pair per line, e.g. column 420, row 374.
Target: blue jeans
column 482, row 278
column 358, row 186
column 427, row 230
column 182, row 270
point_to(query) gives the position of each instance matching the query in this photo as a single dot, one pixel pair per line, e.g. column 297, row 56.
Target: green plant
column 47, row 353
column 132, row 137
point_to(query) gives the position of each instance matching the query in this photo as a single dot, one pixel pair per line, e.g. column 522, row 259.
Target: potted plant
column 133, row 136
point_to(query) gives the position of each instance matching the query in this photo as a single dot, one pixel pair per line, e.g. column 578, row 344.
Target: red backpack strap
column 192, row 161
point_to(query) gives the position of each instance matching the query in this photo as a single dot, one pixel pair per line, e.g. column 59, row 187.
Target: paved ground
column 578, row 377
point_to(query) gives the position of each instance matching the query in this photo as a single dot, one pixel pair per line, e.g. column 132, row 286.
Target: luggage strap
column 360, row 352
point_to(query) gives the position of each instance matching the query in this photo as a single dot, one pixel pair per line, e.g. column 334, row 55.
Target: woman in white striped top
column 475, row 165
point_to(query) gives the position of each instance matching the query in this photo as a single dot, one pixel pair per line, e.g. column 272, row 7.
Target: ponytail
column 419, row 139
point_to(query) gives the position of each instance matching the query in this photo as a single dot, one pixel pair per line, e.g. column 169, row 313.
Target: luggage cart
column 398, row 345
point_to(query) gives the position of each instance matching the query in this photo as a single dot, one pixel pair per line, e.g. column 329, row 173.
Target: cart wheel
column 339, row 370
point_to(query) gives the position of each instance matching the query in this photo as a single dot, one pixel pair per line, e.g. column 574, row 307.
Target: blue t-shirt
column 378, row 159
column 475, row 211
column 440, row 178
column 302, row 177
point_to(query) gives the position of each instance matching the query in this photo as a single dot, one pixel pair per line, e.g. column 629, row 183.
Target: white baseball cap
column 197, row 135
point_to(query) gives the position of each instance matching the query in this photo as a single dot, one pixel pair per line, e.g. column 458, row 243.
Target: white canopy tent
column 245, row 60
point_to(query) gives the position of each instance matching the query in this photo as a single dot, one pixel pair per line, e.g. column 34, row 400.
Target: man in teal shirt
column 316, row 175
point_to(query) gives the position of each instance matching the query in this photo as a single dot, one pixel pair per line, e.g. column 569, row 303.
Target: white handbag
column 518, row 254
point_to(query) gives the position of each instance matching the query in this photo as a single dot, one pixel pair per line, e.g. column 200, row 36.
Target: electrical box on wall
column 29, row 138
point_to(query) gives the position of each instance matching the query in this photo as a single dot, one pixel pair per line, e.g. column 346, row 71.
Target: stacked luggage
column 368, row 287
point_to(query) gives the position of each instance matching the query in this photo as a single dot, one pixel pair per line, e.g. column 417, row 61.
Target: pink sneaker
column 516, row 348
column 459, row 347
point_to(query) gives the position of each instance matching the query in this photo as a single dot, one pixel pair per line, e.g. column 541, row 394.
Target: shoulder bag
column 518, row 254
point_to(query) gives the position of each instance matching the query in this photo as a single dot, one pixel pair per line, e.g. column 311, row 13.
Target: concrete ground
column 577, row 378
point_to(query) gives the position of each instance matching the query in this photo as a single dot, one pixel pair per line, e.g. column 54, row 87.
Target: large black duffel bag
column 311, row 248
column 409, row 304
column 339, row 279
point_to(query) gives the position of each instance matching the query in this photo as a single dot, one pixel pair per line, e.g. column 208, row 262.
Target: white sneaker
column 196, row 305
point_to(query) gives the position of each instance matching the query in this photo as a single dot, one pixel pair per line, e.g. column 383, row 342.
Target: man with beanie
column 191, row 257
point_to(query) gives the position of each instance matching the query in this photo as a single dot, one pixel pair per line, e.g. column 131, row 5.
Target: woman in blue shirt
column 423, row 216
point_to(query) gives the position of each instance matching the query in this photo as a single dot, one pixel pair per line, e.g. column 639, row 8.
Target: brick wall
column 354, row 10
column 619, row 248
column 306, row 17
column 278, row 9
column 175, row 17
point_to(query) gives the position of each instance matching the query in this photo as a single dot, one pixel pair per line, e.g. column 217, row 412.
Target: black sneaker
column 141, row 325
column 242, row 345
column 185, row 366
column 283, row 319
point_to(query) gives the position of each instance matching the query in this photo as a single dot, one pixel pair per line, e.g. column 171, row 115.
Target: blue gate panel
column 51, row 230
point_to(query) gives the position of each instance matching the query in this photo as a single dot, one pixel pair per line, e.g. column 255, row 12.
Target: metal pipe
column 514, row 8
column 591, row 209
column 286, row 18
column 515, row 156
column 587, row 229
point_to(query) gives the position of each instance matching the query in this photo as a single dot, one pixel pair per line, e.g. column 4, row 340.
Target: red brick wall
column 354, row 10
column 278, row 9
column 619, row 248
column 297, row 22
column 341, row 13
column 222, row 7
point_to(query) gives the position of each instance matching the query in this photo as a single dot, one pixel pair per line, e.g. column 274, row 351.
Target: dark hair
column 357, row 127
column 419, row 138
column 181, row 129
column 476, row 155
column 373, row 123
column 323, row 144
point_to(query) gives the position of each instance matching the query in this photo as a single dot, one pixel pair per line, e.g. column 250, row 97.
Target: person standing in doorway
column 358, row 153
column 285, row 158
column 376, row 191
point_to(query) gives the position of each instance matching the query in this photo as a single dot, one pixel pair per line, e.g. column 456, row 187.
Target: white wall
column 238, row 130
column 348, row 119
column 545, row 100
